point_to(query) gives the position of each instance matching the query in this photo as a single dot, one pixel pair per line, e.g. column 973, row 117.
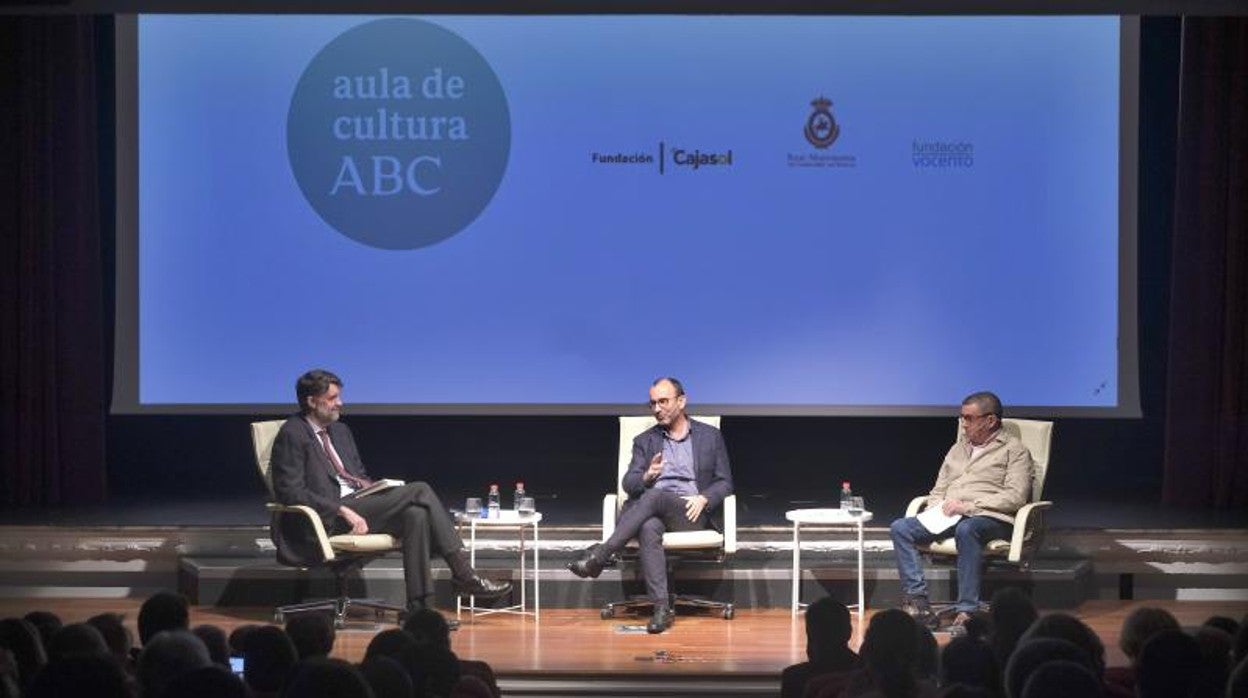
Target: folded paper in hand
column 377, row 486
column 934, row 518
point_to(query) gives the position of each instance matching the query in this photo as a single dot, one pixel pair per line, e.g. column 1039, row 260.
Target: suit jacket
column 712, row 473
column 997, row 483
column 302, row 472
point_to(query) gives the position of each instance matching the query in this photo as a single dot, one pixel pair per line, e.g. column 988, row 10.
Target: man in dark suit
column 315, row 463
column 676, row 481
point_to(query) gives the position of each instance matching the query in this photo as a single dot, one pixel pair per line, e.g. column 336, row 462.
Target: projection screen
column 541, row 214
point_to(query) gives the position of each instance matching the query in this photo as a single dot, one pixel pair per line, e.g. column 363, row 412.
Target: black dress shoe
column 476, row 585
column 661, row 620
column 587, row 565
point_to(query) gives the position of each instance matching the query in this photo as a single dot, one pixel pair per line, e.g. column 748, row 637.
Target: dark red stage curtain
column 52, row 347
column 1206, row 451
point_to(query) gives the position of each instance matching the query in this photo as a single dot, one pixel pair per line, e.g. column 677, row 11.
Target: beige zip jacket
column 997, row 483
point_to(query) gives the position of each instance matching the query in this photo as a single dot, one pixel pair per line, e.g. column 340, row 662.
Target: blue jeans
column 971, row 534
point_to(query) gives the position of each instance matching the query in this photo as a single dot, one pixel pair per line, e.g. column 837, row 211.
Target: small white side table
column 507, row 518
column 824, row 517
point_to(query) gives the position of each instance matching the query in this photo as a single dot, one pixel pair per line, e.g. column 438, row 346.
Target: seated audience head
column 1240, row 651
column 958, row 690
column 214, row 639
column 312, row 633
column 1215, row 659
column 387, row 677
column 238, row 638
column 75, row 639
column 1033, row 652
column 1224, row 623
column 396, row 643
column 1141, row 624
column 1237, row 685
column 1012, row 613
column 1064, row 626
column 470, row 686
column 323, row 677
column 1062, row 678
column 828, row 628
column 93, row 675
column 890, row 650
column 429, row 625
column 116, row 635
column 46, row 623
column 927, row 660
column 269, row 657
column 212, row 681
column 1169, row 666
column 164, row 610
column 970, row 662
column 436, row 670
column 168, row 655
column 20, row 637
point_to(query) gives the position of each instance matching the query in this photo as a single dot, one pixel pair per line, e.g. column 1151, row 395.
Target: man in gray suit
column 316, row 463
column 676, row 481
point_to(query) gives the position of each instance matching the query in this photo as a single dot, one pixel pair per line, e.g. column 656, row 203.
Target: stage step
column 747, row 583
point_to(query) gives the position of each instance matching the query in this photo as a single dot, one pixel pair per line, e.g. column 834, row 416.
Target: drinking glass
column 527, row 506
column 855, row 506
column 472, row 507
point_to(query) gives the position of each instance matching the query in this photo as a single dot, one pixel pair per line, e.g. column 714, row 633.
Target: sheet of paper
column 935, row 520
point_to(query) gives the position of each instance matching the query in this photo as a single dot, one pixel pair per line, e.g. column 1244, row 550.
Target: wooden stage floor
column 572, row 643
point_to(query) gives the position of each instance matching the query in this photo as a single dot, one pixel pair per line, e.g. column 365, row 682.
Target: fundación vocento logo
column 398, row 133
column 942, row 155
column 821, row 131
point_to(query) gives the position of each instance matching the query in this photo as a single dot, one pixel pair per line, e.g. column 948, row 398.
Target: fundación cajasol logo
column 398, row 133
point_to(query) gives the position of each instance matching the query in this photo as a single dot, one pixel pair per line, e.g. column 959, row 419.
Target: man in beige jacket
column 984, row 480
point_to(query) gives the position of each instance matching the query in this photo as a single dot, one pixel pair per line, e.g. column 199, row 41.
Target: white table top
column 825, row 516
column 506, row 517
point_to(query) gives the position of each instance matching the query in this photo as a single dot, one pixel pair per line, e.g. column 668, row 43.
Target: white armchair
column 1028, row 529
column 707, row 543
column 302, row 542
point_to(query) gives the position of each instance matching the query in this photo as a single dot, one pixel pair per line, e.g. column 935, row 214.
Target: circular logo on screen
column 398, row 133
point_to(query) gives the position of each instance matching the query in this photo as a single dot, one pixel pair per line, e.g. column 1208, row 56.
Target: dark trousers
column 415, row 514
column 647, row 519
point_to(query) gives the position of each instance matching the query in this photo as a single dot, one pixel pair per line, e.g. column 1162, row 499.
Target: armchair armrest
column 298, row 534
column 610, row 506
column 1030, row 515
column 916, row 505
column 730, row 524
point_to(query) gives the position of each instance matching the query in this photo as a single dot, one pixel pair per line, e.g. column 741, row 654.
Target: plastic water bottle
column 517, row 496
column 494, row 502
column 846, row 495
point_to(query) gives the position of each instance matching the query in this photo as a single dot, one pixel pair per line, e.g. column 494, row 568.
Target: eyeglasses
column 663, row 401
column 971, row 417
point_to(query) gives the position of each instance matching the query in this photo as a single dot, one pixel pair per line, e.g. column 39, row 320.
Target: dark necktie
column 354, row 481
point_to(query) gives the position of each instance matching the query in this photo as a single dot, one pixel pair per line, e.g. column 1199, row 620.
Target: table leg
column 797, row 559
column 537, row 574
column 523, row 604
column 862, row 603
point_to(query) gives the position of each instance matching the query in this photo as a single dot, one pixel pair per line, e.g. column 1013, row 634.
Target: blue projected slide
column 545, row 213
